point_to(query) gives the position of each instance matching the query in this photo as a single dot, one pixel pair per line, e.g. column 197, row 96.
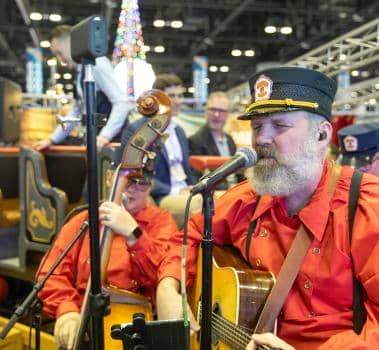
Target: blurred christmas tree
column 129, row 42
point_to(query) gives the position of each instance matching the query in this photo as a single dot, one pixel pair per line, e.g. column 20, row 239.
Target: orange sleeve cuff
column 66, row 306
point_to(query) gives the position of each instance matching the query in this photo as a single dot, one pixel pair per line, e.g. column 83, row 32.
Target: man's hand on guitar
column 118, row 219
column 65, row 329
column 270, row 340
column 169, row 303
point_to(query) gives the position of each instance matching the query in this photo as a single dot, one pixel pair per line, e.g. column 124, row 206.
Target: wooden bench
column 51, row 184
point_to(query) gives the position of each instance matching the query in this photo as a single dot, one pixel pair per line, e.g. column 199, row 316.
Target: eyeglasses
column 215, row 110
column 175, row 95
column 140, row 184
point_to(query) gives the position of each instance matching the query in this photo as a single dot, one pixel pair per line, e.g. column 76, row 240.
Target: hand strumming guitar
column 169, row 302
column 268, row 341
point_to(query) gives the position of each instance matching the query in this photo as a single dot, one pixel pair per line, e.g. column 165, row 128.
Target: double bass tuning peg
column 164, row 137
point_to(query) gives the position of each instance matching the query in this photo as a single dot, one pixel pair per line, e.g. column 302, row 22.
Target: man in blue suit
column 172, row 174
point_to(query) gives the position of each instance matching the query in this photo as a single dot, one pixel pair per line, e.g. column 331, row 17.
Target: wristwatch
column 137, row 232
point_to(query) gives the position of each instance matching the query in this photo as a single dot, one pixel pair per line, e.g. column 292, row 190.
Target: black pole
column 96, row 311
column 36, row 322
column 206, row 294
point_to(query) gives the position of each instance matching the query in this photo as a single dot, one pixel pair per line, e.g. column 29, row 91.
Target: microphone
column 245, row 157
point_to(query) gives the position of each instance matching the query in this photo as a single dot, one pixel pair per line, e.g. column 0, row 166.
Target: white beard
column 283, row 175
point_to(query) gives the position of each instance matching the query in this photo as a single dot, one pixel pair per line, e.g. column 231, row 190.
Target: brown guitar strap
column 290, row 269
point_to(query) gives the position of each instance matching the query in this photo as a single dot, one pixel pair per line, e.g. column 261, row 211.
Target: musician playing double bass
column 290, row 115
column 141, row 232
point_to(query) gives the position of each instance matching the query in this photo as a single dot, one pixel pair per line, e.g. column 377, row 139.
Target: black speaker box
column 10, row 110
column 89, row 39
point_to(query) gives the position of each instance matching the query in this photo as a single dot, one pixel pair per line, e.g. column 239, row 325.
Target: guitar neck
column 233, row 335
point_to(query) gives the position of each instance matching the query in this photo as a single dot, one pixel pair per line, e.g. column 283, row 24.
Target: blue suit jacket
column 162, row 183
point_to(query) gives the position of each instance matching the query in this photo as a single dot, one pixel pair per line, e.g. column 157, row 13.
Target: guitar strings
column 229, row 332
column 232, row 334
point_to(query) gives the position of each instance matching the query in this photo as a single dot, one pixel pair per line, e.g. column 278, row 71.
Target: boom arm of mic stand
column 19, row 312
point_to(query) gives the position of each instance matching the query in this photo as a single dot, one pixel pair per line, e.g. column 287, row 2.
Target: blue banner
column 34, row 70
column 200, row 75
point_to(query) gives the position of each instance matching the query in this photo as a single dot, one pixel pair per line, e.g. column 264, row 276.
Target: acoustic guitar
column 238, row 297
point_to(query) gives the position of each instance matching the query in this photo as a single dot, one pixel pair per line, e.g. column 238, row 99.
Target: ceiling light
column 213, row 68
column 159, row 49
column 224, row 69
column 342, row 57
column 330, row 57
column 377, row 86
column 176, row 24
column 64, row 100
column 59, row 86
column 67, row 76
column 52, row 62
column 236, row 52
column 69, row 86
column 270, row 29
column 372, row 101
column 159, row 23
column 57, row 76
column 54, row 17
column 286, row 30
column 365, row 74
column 45, row 43
column 342, row 15
column 145, row 48
column 249, row 53
column 35, row 16
column 63, row 64
column 357, row 18
column 354, row 73
column 207, row 80
column 191, row 90
column 51, row 92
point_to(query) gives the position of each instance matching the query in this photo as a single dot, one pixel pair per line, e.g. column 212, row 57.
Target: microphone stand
column 32, row 301
column 98, row 301
column 206, row 294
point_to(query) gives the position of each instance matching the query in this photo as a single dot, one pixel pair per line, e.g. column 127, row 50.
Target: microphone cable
column 183, row 271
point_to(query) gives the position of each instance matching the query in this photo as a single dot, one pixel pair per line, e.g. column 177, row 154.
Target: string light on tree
column 129, row 40
column 129, row 44
column 133, row 74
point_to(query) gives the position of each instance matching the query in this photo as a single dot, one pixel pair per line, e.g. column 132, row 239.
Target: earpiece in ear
column 322, row 136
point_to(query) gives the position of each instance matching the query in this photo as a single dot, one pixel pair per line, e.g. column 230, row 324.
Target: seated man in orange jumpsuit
column 141, row 240
column 291, row 190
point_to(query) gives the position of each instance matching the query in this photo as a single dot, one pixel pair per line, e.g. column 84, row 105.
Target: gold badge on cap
column 350, row 143
column 263, row 88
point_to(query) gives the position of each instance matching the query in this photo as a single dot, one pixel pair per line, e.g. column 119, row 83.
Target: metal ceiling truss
column 357, row 94
column 353, row 50
column 358, row 48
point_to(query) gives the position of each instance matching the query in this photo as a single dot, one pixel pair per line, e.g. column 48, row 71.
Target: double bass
column 155, row 106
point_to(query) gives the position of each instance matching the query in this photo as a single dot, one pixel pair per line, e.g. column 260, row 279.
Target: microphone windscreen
column 249, row 154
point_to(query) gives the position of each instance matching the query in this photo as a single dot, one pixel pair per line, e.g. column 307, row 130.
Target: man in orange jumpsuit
column 290, row 119
column 141, row 240
column 359, row 147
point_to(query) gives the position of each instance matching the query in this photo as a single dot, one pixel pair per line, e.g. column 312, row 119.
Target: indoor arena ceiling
column 211, row 28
